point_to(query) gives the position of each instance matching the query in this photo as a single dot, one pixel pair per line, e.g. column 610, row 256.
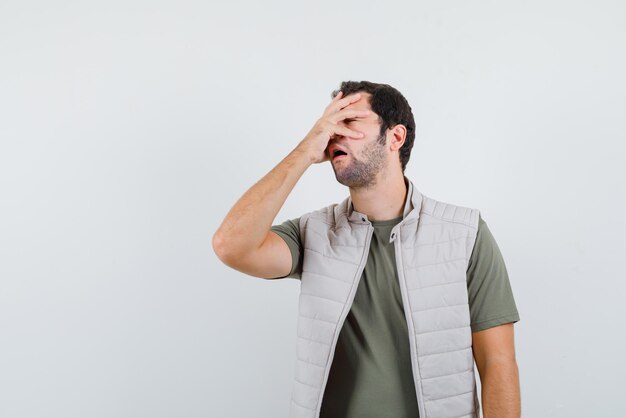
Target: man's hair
column 390, row 106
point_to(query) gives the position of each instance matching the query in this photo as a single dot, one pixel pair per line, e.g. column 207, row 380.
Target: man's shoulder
column 327, row 214
column 440, row 210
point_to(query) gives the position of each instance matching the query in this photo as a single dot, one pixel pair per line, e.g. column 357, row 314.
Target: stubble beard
column 361, row 174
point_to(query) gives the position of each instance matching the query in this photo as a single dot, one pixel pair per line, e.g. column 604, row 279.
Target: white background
column 129, row 129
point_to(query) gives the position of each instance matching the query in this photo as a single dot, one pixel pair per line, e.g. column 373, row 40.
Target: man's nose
column 337, row 137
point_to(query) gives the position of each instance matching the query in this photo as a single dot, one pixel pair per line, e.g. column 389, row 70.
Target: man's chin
column 342, row 180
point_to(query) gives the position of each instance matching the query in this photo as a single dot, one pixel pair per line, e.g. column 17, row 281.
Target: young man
column 400, row 293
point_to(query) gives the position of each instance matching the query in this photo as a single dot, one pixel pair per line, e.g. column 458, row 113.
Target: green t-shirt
column 371, row 374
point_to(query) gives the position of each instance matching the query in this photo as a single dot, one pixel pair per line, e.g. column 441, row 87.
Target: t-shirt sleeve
column 289, row 231
column 491, row 301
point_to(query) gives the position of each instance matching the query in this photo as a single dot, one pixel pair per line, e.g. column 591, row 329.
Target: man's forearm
column 247, row 223
column 501, row 390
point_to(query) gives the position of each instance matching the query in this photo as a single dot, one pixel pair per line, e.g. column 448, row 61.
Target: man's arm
column 244, row 240
column 494, row 352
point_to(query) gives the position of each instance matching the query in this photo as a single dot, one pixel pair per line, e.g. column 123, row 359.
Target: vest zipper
column 357, row 280
column 409, row 320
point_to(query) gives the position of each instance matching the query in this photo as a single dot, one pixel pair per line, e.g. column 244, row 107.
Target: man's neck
column 383, row 201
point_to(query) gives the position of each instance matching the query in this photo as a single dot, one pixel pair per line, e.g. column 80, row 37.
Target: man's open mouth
column 339, row 154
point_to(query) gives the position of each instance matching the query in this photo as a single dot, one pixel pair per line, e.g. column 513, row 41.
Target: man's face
column 366, row 157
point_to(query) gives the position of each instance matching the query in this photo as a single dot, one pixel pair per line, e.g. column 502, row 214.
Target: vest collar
column 412, row 206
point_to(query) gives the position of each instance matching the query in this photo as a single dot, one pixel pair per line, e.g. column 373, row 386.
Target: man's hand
column 315, row 143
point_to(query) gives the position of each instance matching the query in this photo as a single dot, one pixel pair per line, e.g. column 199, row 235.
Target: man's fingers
column 347, row 100
column 349, row 113
column 337, row 105
column 334, row 100
column 350, row 133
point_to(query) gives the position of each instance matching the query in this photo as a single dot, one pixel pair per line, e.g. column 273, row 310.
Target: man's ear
column 396, row 137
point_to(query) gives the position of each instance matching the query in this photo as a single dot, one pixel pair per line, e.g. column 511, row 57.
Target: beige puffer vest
column 433, row 244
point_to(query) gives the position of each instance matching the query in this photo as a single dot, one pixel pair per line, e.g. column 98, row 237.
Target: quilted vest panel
column 433, row 245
